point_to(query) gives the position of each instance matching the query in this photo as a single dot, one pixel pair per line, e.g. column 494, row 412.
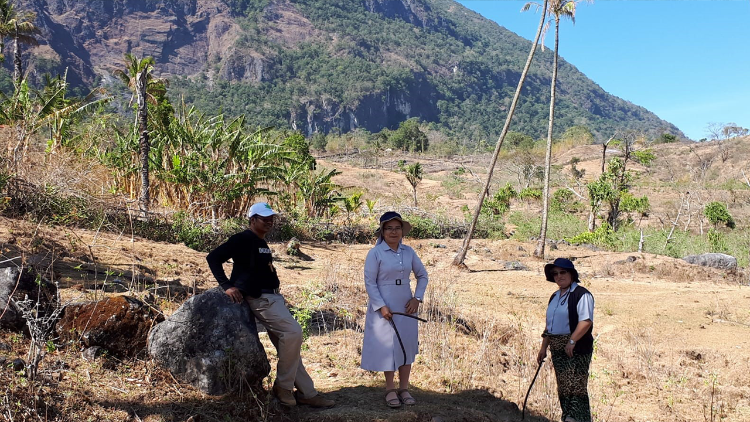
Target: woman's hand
column 569, row 349
column 386, row 312
column 412, row 306
column 541, row 355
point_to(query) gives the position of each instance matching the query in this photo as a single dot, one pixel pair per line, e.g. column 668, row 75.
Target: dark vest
column 585, row 344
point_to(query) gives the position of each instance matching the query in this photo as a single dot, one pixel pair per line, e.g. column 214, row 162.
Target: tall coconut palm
column 21, row 28
column 146, row 88
column 557, row 9
column 459, row 259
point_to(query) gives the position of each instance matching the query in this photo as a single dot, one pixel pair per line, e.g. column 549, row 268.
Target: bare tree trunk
column 539, row 251
column 414, row 188
column 143, row 142
column 459, row 259
column 17, row 69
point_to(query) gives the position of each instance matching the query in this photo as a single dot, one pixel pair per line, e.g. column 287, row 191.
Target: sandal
column 406, row 398
column 395, row 402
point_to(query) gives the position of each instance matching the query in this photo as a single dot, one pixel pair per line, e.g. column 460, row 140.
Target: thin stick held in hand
column 523, row 412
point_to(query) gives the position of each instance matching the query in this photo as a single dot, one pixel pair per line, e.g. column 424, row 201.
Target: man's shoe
column 284, row 396
column 316, row 401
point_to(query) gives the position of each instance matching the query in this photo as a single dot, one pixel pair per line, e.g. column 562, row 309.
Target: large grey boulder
column 23, row 285
column 211, row 343
column 714, row 260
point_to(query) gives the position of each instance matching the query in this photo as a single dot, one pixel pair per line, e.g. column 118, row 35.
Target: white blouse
column 558, row 321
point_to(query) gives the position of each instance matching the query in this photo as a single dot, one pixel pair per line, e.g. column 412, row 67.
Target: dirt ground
column 672, row 338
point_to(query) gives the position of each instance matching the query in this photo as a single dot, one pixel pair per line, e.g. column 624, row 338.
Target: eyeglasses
column 392, row 229
column 561, row 272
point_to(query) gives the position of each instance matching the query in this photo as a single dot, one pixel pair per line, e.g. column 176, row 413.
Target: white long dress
column 387, row 281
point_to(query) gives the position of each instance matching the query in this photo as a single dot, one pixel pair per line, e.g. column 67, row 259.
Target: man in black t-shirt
column 254, row 280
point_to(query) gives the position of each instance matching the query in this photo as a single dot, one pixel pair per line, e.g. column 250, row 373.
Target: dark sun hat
column 564, row 264
column 392, row 215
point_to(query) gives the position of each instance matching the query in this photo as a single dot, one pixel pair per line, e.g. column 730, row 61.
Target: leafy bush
column 563, row 200
column 717, row 242
column 716, row 212
column 530, row 194
column 602, row 236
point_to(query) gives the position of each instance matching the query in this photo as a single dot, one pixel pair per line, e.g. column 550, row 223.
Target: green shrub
column 563, row 200
column 602, row 236
column 530, row 194
column 716, row 212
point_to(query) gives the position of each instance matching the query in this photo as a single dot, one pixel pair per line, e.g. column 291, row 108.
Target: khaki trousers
column 286, row 335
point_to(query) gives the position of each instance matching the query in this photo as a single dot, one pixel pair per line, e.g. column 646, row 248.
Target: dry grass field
column 672, row 338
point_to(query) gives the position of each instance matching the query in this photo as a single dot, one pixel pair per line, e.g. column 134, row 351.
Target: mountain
column 330, row 65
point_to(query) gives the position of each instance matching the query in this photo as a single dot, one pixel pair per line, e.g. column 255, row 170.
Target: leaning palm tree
column 557, row 10
column 146, row 88
column 459, row 259
column 21, row 28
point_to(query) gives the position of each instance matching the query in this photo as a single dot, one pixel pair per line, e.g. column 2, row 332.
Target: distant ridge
column 331, row 65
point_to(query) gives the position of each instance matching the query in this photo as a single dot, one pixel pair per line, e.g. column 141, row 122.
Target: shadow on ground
column 360, row 404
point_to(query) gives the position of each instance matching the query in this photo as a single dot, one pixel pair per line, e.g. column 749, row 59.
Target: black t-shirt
column 252, row 268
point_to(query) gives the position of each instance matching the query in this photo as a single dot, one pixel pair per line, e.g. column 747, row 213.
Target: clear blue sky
column 688, row 61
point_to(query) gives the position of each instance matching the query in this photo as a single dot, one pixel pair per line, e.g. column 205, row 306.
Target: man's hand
column 386, row 312
column 235, row 294
column 412, row 306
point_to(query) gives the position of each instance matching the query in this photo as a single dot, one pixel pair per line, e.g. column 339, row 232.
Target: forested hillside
column 331, row 65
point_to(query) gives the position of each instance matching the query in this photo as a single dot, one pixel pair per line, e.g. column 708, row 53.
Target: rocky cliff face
column 91, row 37
column 248, row 41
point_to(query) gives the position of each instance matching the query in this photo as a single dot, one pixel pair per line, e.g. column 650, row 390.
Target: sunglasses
column 560, row 272
column 268, row 219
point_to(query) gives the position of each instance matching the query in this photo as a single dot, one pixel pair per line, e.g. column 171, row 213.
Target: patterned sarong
column 572, row 380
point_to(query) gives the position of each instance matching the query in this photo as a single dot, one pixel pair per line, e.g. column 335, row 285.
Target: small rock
column 91, row 353
column 438, row 245
column 292, row 248
column 18, row 364
column 2, row 360
column 5, row 347
column 515, row 266
column 631, row 258
column 553, row 246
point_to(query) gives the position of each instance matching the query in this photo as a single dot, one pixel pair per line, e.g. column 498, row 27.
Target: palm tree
column 21, row 29
column 459, row 259
column 414, row 173
column 557, row 10
column 146, row 88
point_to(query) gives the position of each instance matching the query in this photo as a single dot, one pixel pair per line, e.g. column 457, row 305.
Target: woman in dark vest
column 570, row 320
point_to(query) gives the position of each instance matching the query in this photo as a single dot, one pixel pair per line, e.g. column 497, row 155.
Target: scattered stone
column 119, row 324
column 206, row 337
column 713, row 260
column 438, row 245
column 91, row 353
column 553, row 246
column 521, row 249
column 17, row 285
column 18, row 365
column 3, row 359
column 5, row 347
column 627, row 260
column 515, row 266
